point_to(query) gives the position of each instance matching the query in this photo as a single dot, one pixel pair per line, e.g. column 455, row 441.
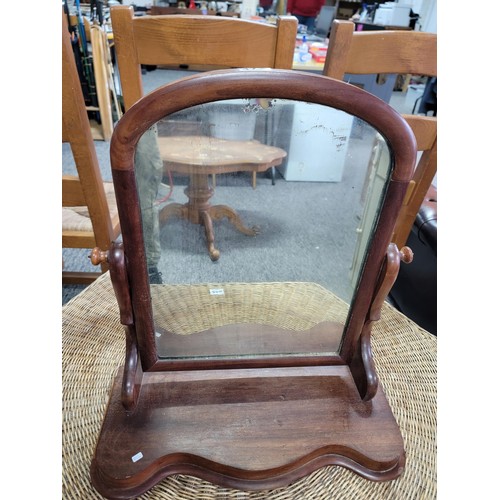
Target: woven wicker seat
column 263, row 303
column 94, row 349
column 78, row 218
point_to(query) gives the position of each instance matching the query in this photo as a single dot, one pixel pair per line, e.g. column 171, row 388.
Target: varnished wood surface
column 251, row 429
column 250, row 83
column 72, row 194
column 425, row 130
column 198, row 210
column 92, row 351
column 103, row 80
column 196, row 40
column 79, row 278
column 233, row 42
column 159, row 11
column 385, row 51
column 78, row 239
column 267, row 425
column 207, row 155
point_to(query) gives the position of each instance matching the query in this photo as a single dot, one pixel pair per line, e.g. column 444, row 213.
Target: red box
column 318, row 52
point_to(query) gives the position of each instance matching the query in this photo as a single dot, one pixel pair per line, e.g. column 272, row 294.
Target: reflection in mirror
column 238, row 272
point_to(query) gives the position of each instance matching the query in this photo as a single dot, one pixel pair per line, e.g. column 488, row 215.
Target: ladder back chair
column 395, row 52
column 104, row 80
column 207, row 42
column 89, row 213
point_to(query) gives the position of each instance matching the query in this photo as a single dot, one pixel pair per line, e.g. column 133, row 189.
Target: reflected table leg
column 198, row 210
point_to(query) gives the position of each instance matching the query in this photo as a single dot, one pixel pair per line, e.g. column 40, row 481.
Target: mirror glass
column 256, row 217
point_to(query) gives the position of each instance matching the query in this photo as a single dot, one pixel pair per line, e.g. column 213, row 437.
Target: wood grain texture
column 174, row 40
column 203, row 42
column 425, row 130
column 200, row 156
column 203, row 154
column 385, row 51
column 72, row 193
column 100, row 53
column 250, row 429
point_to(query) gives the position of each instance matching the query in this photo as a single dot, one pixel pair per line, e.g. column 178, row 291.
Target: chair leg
column 254, row 180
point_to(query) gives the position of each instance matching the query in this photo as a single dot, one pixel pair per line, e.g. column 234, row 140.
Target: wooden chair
column 395, row 52
column 206, row 42
column 103, row 84
column 89, row 213
column 104, row 80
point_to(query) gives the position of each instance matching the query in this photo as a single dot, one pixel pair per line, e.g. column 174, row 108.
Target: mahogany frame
column 129, row 275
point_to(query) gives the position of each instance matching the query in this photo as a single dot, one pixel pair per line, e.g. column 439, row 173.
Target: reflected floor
column 297, row 240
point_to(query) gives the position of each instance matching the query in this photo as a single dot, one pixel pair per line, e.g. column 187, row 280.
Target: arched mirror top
column 225, row 275
column 256, row 83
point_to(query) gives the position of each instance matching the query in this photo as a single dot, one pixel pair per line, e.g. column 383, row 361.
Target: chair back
column 396, row 52
column 385, row 51
column 88, row 219
column 213, row 42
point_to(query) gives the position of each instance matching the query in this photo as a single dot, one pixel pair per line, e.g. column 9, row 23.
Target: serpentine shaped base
column 250, row 429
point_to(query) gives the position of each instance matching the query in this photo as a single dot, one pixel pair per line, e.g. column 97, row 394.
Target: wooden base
column 249, row 429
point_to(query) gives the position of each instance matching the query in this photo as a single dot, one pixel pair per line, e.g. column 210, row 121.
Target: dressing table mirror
column 247, row 312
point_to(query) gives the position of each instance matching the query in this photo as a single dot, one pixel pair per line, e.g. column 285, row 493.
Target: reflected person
column 149, row 173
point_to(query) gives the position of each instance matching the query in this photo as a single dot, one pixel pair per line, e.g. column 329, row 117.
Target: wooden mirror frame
column 128, row 270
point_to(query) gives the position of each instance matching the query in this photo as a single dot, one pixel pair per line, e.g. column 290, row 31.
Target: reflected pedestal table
column 201, row 156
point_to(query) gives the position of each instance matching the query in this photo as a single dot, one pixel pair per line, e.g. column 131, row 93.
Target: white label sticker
column 137, row 457
column 217, row 291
